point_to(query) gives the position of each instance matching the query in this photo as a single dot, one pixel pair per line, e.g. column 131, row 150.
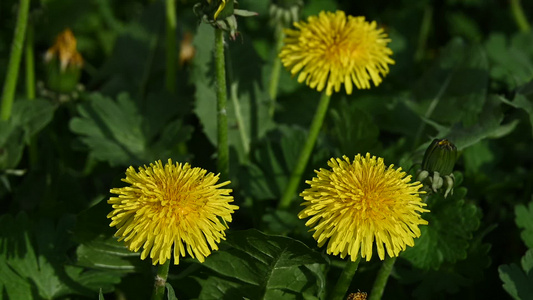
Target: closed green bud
column 440, row 157
column 437, row 167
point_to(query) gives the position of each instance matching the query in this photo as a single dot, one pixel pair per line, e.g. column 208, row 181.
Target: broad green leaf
column 247, row 104
column 488, row 126
column 476, row 156
column 520, row 101
column 116, row 132
column 253, row 265
column 98, row 248
column 133, row 61
column 524, row 221
column 454, row 89
column 447, row 237
column 36, row 254
column 518, row 282
column 353, row 129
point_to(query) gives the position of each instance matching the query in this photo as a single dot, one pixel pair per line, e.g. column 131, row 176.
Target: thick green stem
column 220, row 73
column 171, row 48
column 160, row 281
column 305, row 153
column 30, row 64
column 344, row 281
column 8, row 94
column 519, row 16
column 381, row 279
column 276, row 69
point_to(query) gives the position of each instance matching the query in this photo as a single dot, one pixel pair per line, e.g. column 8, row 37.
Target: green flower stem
column 276, row 69
column 344, row 281
column 171, row 45
column 222, row 117
column 30, row 64
column 305, row 153
column 8, row 93
column 519, row 16
column 160, row 281
column 381, row 279
column 33, row 153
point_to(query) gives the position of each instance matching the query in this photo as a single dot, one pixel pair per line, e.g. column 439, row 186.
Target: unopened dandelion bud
column 63, row 63
column 437, row 166
column 440, row 157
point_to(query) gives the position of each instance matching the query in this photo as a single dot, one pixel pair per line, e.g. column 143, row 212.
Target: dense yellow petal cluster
column 332, row 49
column 171, row 207
column 356, row 203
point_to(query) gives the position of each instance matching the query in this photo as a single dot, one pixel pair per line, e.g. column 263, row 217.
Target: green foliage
column 447, row 237
column 512, row 63
column 35, row 265
column 257, row 266
column 519, row 282
column 462, row 71
column 247, row 106
column 27, row 119
column 524, row 221
column 116, row 132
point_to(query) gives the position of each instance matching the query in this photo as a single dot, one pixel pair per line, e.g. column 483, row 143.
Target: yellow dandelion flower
column 358, row 202
column 171, row 207
column 331, row 49
column 65, row 48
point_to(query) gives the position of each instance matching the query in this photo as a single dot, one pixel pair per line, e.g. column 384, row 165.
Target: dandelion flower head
column 356, row 203
column 332, row 49
column 171, row 207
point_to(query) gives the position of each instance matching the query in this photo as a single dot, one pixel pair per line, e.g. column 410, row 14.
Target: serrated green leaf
column 524, row 221
column 518, row 282
column 37, row 255
column 450, row 277
column 511, row 63
column 257, row 266
column 116, row 132
column 446, row 238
